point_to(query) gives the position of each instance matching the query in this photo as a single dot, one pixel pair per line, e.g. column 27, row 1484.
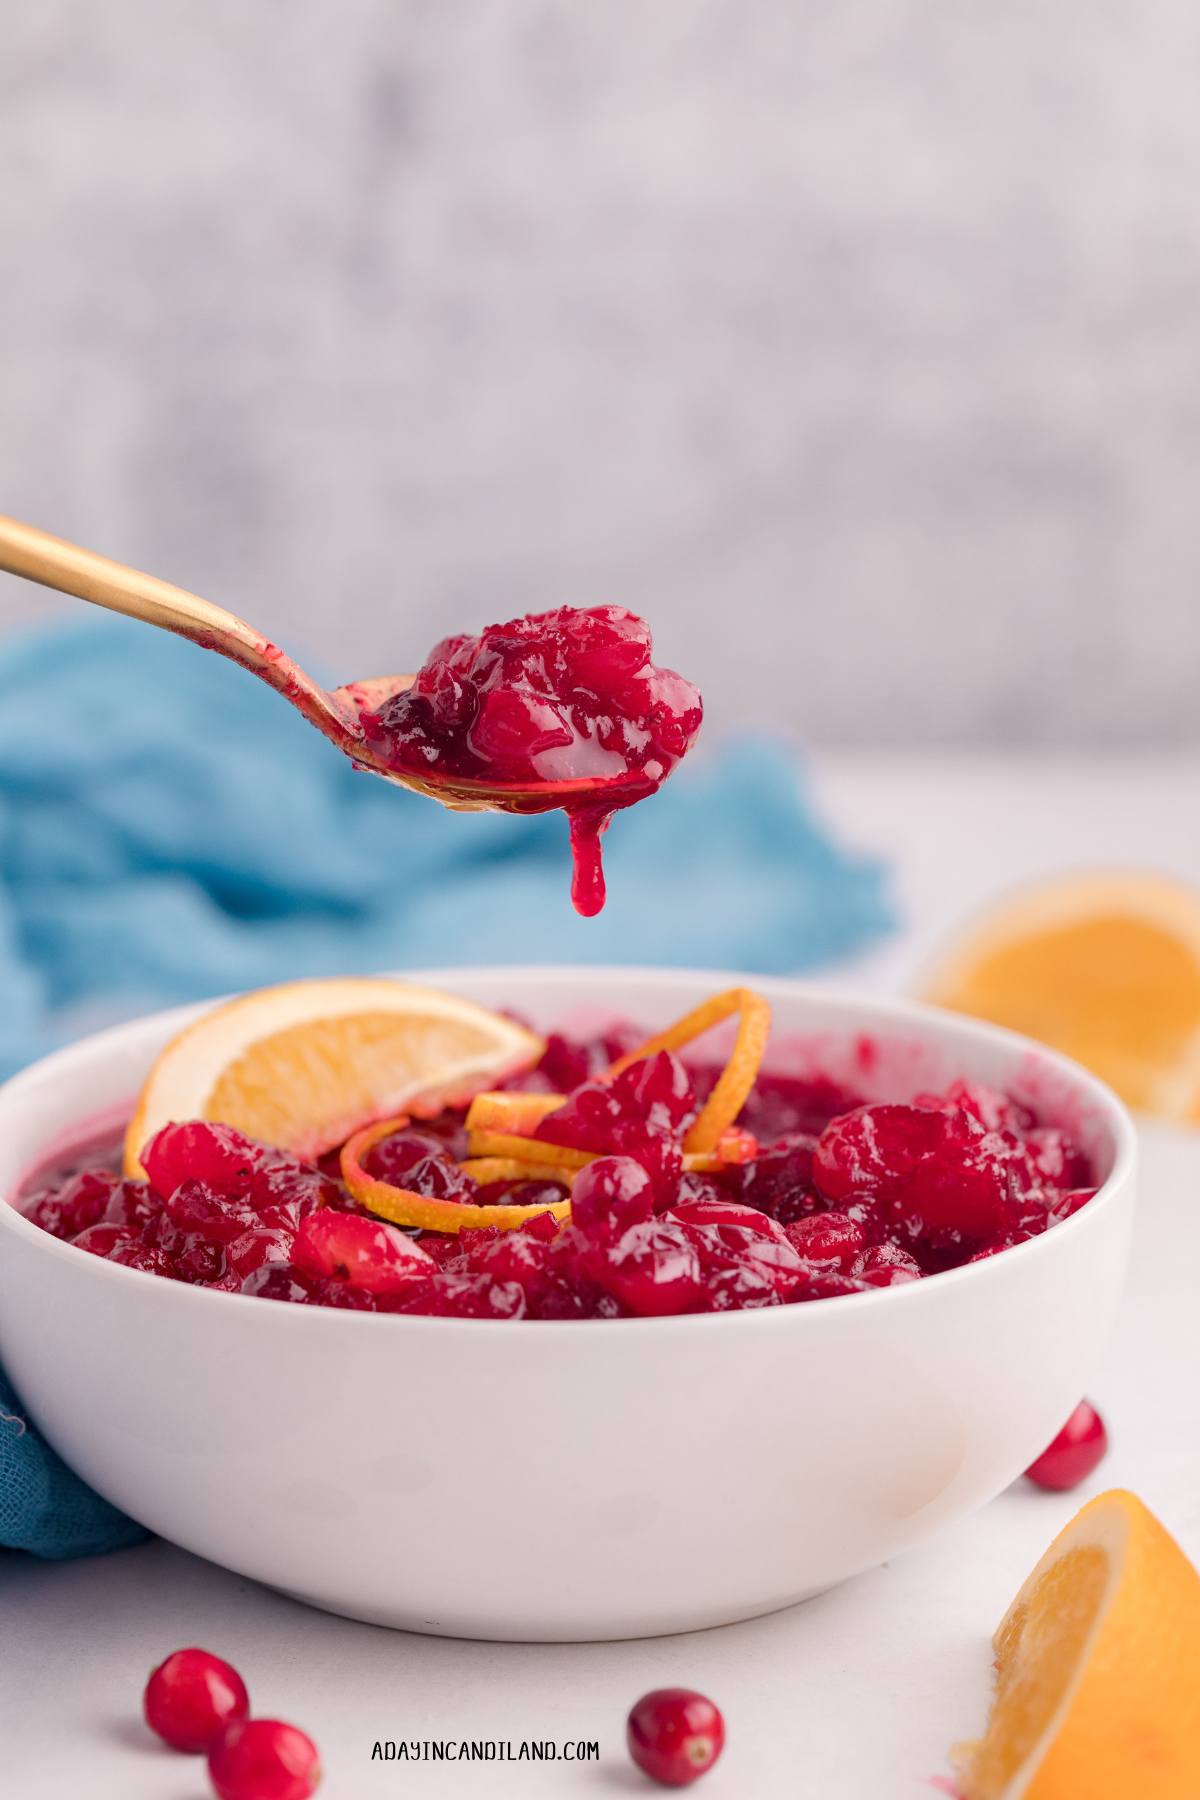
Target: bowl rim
column 918, row 1014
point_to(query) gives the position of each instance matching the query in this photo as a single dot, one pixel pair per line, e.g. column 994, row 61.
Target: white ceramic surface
column 565, row 1481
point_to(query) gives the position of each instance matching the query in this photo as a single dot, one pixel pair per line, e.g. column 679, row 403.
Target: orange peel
column 535, row 1158
column 737, row 1078
column 518, row 1115
column 529, row 1149
column 400, row 1206
column 485, row 1169
column 503, row 1124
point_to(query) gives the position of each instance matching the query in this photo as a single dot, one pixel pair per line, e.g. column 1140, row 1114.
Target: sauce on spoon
column 562, row 709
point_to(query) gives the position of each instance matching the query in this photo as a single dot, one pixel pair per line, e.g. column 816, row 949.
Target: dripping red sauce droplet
column 587, row 878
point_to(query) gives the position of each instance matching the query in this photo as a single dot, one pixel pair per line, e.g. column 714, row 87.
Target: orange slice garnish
column 400, row 1206
column 1097, row 1669
column 303, row 1065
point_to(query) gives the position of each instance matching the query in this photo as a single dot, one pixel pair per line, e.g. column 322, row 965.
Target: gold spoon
column 337, row 712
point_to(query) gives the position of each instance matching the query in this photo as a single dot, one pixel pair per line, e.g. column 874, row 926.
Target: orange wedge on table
column 305, row 1064
column 1097, row 1669
column 1105, row 967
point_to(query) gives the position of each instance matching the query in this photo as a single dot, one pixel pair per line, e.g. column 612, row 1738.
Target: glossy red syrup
column 841, row 1198
column 564, row 709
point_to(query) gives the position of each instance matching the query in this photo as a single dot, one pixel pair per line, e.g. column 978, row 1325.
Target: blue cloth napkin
column 169, row 830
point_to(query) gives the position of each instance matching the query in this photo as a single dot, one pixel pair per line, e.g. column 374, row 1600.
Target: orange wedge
column 1104, row 967
column 1097, row 1669
column 303, row 1065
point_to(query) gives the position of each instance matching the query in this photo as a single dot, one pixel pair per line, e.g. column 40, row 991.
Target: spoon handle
column 37, row 556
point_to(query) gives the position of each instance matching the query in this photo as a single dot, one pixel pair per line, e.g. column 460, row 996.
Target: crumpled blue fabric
column 170, row 829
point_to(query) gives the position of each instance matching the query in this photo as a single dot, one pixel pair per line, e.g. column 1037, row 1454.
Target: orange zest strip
column 740, row 1148
column 400, row 1206
column 485, row 1169
column 518, row 1114
column 502, row 1124
column 530, row 1149
column 738, row 1076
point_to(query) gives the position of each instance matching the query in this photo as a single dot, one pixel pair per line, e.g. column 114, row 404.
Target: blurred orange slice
column 303, row 1065
column 1103, row 967
column 1097, row 1669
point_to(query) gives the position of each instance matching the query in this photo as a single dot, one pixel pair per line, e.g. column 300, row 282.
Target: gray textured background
column 862, row 336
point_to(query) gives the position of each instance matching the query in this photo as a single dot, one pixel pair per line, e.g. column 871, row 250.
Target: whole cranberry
column 1048, row 1158
column 887, row 1265
column 70, row 1210
column 779, row 1180
column 1067, row 1204
column 458, row 1294
column 261, row 1244
column 609, row 1195
column 657, row 1090
column 134, row 1254
column 192, row 1258
column 191, row 1697
column 132, row 1203
column 991, row 1107
column 368, row 1252
column 393, row 1158
column 1075, row 1452
column 745, row 1257
column 342, row 1294
column 653, row 1269
column 827, row 1240
column 103, row 1240
column 674, row 1735
column 263, row 1759
column 195, row 1150
column 935, row 1172
column 278, row 1281
column 203, row 1212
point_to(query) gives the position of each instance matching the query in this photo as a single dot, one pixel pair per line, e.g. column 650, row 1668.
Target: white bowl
column 556, row 1481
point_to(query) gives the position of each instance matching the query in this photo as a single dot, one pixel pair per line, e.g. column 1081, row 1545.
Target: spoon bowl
column 464, row 793
column 338, row 712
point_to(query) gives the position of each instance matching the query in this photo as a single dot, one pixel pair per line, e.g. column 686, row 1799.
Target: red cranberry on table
column 191, row 1697
column 674, row 1735
column 264, row 1759
column 1075, row 1452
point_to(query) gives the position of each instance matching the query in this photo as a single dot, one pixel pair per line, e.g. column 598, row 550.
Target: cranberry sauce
column 838, row 1198
column 566, row 708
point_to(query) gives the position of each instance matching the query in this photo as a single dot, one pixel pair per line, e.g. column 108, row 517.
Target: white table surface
column 851, row 1696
